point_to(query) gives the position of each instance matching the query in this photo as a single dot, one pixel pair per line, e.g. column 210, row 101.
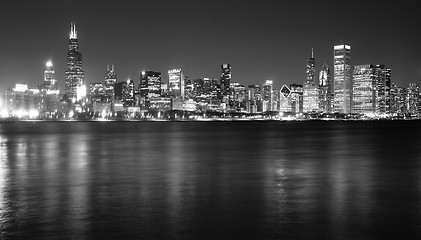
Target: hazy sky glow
column 260, row 39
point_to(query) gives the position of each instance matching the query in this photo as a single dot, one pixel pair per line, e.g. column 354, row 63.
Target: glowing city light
column 33, row 113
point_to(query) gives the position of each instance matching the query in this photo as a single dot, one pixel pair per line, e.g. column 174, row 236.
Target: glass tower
column 325, row 89
column 109, row 82
column 74, row 78
column 49, row 84
column 267, row 96
column 382, row 89
column 150, row 84
column 363, row 89
column 342, row 79
column 310, row 90
column 176, row 83
column 225, row 80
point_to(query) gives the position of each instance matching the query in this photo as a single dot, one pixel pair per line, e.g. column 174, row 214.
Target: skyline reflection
column 175, row 179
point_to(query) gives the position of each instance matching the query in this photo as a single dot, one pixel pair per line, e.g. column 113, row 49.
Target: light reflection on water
column 190, row 180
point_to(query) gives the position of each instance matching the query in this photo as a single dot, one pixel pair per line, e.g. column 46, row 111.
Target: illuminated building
column 160, row 104
column 210, row 88
column 176, row 88
column 401, row 107
column 342, row 79
column 267, row 96
column 238, row 96
column 49, row 84
column 275, row 100
column 325, row 89
column 311, row 69
column 176, row 83
column 382, row 89
column 22, row 102
column 109, row 82
column 254, row 99
column 296, row 97
column 310, row 89
column 397, row 100
column 413, row 99
column 364, row 89
column 198, row 87
column 124, row 92
column 97, row 92
column 150, row 84
column 74, row 75
column 225, row 81
column 285, row 99
column 188, row 88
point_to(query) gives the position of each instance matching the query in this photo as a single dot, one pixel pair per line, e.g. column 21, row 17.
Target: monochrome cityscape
column 339, row 90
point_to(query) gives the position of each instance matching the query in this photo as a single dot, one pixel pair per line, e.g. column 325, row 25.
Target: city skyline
column 264, row 46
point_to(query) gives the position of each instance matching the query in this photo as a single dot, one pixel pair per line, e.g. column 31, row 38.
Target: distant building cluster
column 360, row 90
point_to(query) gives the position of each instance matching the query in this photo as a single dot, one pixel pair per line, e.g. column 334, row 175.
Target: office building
column 225, row 81
column 150, row 84
column 325, row 89
column 110, row 80
column 363, row 88
column 74, row 75
column 49, row 84
column 267, row 96
column 413, row 99
column 176, row 83
column 382, row 83
column 342, row 86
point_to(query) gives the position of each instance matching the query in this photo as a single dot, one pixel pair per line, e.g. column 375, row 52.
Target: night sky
column 260, row 39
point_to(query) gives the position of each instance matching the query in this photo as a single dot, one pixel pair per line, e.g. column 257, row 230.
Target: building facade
column 325, row 89
column 342, row 86
column 74, row 75
column 225, row 81
column 110, row 80
column 49, row 84
column 364, row 99
column 150, row 84
column 267, row 96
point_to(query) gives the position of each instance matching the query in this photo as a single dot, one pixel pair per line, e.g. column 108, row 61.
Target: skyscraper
column 109, row 82
column 310, row 90
column 413, row 99
column 254, row 104
column 342, row 79
column 267, row 96
column 295, row 97
column 325, row 89
column 49, row 84
column 311, row 69
column 176, row 83
column 225, row 81
column 75, row 78
column 363, row 89
column 382, row 89
column 285, row 101
column 150, row 84
column 124, row 91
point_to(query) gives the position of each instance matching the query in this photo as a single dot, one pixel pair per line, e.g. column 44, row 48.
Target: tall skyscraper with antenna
column 310, row 89
column 74, row 75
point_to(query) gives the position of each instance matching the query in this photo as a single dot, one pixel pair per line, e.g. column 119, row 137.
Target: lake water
column 210, row 180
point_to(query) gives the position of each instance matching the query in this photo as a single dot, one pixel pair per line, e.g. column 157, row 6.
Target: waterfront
column 216, row 180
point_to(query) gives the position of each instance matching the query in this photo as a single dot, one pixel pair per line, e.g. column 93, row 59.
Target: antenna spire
column 73, row 32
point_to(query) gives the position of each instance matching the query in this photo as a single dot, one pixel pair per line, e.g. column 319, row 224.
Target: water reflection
column 219, row 180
